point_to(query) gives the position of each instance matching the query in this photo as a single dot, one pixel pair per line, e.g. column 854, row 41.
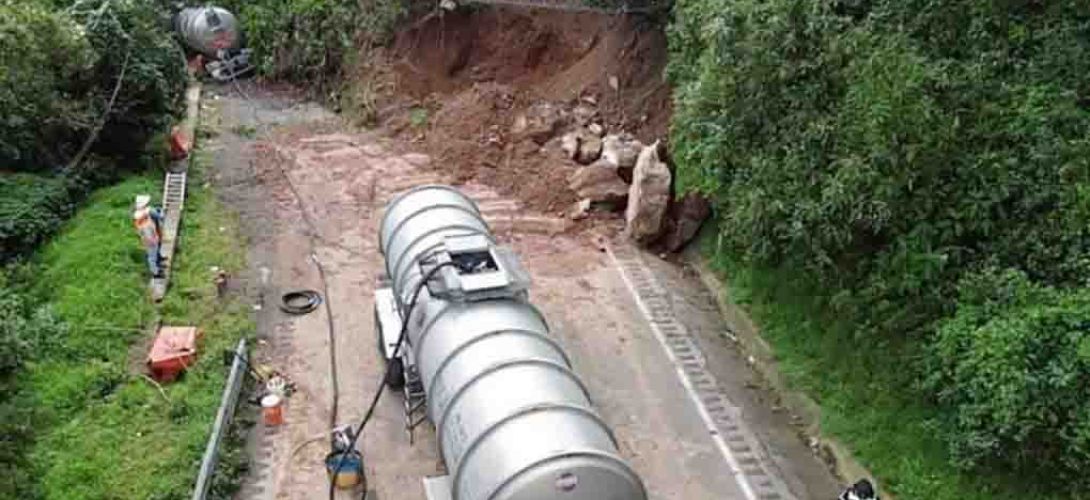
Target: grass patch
column 865, row 389
column 418, row 117
column 103, row 431
column 244, row 130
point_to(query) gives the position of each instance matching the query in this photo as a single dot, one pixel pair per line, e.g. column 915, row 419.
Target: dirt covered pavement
column 343, row 179
column 643, row 334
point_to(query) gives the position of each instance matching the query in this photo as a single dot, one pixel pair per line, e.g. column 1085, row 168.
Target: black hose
column 315, row 298
column 333, row 379
column 382, row 382
column 300, row 301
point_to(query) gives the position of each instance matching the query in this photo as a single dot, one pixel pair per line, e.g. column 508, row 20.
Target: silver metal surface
column 208, row 29
column 387, row 316
column 513, row 420
column 437, row 488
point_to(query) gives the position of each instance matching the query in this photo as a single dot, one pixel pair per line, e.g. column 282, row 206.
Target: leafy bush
column 312, row 40
column 59, row 66
column 867, row 152
column 133, row 35
column 882, row 150
column 31, row 208
column 24, row 332
column 60, row 61
column 42, row 58
column 1013, row 367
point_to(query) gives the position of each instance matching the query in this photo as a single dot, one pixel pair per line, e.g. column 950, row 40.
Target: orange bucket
column 272, row 410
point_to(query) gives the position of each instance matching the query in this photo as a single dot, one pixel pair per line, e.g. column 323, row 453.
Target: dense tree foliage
column 887, row 149
column 59, row 68
column 311, row 41
column 1014, row 364
column 95, row 80
column 33, row 207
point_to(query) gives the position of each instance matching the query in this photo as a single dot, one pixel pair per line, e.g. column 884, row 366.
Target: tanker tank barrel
column 513, row 420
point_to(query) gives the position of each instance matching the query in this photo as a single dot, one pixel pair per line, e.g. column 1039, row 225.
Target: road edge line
column 709, row 424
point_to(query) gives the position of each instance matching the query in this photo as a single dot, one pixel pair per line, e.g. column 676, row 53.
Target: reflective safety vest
column 145, row 227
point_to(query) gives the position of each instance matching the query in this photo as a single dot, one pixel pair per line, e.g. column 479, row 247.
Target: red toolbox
column 174, row 350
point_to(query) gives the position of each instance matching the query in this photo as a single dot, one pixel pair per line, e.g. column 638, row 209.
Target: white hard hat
column 142, row 201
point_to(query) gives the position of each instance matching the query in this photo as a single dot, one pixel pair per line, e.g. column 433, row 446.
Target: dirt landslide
column 311, row 189
column 460, row 100
column 461, row 82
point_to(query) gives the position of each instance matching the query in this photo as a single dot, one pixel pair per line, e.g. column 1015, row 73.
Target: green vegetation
column 1013, row 363
column 31, row 208
column 313, row 41
column 24, row 332
column 888, row 429
column 418, row 117
column 873, row 164
column 60, row 64
column 91, row 415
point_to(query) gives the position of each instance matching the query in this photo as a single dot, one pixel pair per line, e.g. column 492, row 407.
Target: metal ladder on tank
column 414, row 400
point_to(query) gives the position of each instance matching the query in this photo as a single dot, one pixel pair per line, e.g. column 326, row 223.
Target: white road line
column 732, row 461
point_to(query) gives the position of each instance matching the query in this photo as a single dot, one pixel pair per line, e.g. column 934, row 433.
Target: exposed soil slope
column 463, row 79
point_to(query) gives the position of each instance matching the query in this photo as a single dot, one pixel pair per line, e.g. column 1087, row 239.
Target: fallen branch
column 102, row 121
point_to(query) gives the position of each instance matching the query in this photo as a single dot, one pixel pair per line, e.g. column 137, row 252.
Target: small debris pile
column 606, row 172
column 615, row 172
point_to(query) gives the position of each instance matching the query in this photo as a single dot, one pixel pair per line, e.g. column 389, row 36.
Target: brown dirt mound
column 465, row 77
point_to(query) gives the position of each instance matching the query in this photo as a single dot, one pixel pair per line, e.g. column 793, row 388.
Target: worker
column 148, row 222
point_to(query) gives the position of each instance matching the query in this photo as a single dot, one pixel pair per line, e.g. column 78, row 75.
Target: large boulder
column 539, row 123
column 582, row 146
column 569, row 144
column 590, row 148
column 621, row 150
column 685, row 217
column 648, row 196
column 580, row 209
column 598, row 182
column 584, row 114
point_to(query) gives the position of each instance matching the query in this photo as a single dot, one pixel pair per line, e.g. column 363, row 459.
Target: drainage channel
column 735, row 441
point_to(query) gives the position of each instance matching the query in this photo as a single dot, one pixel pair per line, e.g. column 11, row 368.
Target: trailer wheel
column 395, row 374
column 379, row 337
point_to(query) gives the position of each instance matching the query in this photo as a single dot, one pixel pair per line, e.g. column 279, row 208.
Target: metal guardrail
column 223, row 421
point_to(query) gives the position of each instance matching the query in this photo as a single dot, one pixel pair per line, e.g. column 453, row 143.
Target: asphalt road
column 644, row 335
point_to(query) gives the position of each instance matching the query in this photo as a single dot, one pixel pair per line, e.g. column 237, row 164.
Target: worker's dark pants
column 153, row 259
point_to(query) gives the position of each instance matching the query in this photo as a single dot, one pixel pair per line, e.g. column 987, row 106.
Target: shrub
column 1013, row 369
column 32, row 207
column 861, row 147
column 136, row 31
column 880, row 150
column 24, row 332
column 59, row 66
column 43, row 56
column 310, row 41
